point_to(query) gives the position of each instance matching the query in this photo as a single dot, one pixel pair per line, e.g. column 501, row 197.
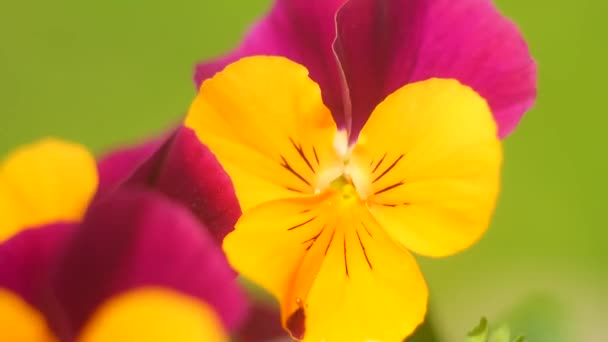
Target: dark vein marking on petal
column 388, row 188
column 301, row 153
column 388, row 169
column 314, row 238
column 330, row 240
column 345, row 259
column 305, row 211
column 314, row 151
column 301, row 224
column 379, row 163
column 364, row 252
column 367, row 230
column 288, row 167
column 394, row 205
column 294, row 190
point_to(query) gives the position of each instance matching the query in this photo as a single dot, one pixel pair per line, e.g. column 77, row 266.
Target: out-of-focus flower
column 180, row 167
column 327, row 225
column 49, row 181
column 360, row 51
column 132, row 265
column 183, row 169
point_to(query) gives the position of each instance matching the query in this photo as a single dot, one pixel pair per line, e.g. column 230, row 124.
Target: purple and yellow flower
column 377, row 136
column 129, row 265
column 327, row 226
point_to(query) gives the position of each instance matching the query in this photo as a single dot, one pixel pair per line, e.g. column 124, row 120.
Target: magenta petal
column 263, row 324
column 26, row 258
column 185, row 170
column 117, row 166
column 384, row 45
column 301, row 30
column 138, row 238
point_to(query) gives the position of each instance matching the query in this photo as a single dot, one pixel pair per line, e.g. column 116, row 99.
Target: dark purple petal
column 263, row 324
column 117, row 166
column 384, row 45
column 185, row 170
column 133, row 238
column 301, row 30
column 25, row 260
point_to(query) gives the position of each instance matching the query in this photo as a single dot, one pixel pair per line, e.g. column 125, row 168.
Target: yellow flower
column 327, row 226
column 45, row 182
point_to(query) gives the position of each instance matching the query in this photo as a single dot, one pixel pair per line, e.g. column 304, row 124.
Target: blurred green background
column 111, row 72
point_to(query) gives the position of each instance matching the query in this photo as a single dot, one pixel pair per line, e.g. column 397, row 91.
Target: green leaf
column 502, row 334
column 480, row 332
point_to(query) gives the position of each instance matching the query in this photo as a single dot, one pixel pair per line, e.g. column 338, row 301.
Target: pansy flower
column 409, row 162
column 132, row 265
column 328, row 225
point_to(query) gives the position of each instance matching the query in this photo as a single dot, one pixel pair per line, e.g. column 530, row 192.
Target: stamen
column 389, row 168
column 301, row 224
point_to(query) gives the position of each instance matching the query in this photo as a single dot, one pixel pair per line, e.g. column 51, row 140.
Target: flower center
column 345, row 187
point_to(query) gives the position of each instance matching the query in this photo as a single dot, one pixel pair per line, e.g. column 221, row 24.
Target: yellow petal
column 21, row 322
column 154, row 314
column 48, row 181
column 337, row 275
column 269, row 245
column 368, row 288
column 265, row 121
column 428, row 162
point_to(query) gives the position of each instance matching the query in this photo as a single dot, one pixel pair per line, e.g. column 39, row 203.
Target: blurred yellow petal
column 154, row 315
column 428, row 163
column 45, row 182
column 21, row 322
column 265, row 121
column 337, row 275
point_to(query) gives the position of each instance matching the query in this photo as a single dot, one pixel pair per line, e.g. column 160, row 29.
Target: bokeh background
column 111, row 72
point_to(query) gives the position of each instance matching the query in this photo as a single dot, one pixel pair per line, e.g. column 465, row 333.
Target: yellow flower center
column 345, row 187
